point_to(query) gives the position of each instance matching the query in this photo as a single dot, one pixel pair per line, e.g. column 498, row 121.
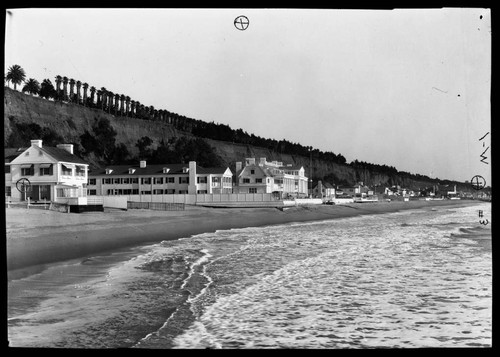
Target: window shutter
column 51, row 169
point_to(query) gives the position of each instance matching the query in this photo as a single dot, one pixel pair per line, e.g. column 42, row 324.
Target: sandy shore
column 41, row 236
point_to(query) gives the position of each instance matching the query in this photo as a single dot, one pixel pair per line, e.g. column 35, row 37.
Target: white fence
column 201, row 199
column 303, row 201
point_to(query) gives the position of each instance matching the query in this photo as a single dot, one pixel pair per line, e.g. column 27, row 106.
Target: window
column 126, row 181
column 170, row 179
column 201, row 191
column 107, row 181
column 252, row 172
column 91, row 192
column 45, row 169
column 184, row 180
column 145, row 192
column 92, row 181
column 215, row 179
column 27, row 153
column 202, row 179
column 135, row 191
column 134, row 180
column 158, row 192
column 67, row 170
column 158, row 180
column 170, row 192
column 80, row 170
column 183, row 191
column 110, row 192
column 7, row 169
column 146, row 180
column 258, row 180
column 8, row 191
column 246, row 180
column 27, row 170
column 116, row 181
column 252, row 190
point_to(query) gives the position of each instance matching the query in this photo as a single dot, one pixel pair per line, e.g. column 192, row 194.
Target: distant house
column 270, row 177
column 48, row 173
column 324, row 190
column 159, row 179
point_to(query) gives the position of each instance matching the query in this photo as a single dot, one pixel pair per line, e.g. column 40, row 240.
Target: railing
column 158, row 206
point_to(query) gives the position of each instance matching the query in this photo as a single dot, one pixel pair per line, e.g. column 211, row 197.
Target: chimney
column 37, row 142
column 250, row 161
column 142, row 164
column 238, row 166
column 67, row 147
column 262, row 161
column 192, row 188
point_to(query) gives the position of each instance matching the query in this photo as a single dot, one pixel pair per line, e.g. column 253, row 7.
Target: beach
column 37, row 237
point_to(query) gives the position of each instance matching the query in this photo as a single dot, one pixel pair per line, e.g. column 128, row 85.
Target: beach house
column 324, row 190
column 270, row 177
column 159, row 179
column 44, row 173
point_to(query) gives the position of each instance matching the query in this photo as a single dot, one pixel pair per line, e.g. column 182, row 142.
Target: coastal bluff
column 70, row 121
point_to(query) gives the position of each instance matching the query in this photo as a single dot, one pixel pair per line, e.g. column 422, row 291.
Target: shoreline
column 36, row 237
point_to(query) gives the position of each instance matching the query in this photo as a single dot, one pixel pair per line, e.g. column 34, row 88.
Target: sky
column 408, row 88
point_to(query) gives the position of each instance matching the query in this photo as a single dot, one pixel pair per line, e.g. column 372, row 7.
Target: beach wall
column 203, row 199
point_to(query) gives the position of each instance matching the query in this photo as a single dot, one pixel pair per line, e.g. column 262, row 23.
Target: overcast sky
column 405, row 88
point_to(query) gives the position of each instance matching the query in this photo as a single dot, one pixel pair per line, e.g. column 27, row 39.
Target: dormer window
column 166, row 170
column 131, row 171
column 109, row 171
column 185, row 170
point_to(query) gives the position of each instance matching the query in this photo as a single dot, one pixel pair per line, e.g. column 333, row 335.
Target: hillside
column 70, row 121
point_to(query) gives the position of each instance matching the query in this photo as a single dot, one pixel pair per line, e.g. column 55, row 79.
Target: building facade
column 270, row 177
column 162, row 179
column 42, row 173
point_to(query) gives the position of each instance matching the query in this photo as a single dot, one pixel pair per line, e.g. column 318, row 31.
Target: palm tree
column 92, row 93
column 99, row 98
column 103, row 97
column 16, row 75
column 47, row 90
column 151, row 112
column 127, row 105
column 65, row 88
column 58, row 86
column 111, row 95
column 85, row 87
column 32, row 86
column 122, row 99
column 71, row 86
column 78, row 86
column 132, row 108
column 117, row 102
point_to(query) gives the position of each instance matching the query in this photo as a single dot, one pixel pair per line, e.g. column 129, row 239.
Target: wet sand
column 41, row 236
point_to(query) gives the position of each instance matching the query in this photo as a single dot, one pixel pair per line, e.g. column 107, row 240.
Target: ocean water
column 419, row 278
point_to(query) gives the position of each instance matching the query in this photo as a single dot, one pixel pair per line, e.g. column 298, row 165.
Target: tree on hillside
column 16, row 75
column 47, row 90
column 32, row 86
column 23, row 133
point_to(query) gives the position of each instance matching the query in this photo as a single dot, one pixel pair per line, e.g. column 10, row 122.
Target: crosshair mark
column 478, row 182
column 241, row 23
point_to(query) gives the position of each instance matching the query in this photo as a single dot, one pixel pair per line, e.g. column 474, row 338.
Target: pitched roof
column 63, row 155
column 174, row 169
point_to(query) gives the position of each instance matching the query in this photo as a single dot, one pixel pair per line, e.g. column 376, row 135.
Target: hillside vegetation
column 104, row 138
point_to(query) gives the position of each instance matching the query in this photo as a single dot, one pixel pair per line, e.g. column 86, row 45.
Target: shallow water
column 420, row 278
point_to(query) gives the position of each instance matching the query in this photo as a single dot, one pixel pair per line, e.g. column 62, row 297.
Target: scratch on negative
column 439, row 89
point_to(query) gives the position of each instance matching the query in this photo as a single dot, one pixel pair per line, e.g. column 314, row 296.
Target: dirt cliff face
column 71, row 120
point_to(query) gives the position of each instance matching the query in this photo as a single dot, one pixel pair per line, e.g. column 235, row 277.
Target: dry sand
column 41, row 236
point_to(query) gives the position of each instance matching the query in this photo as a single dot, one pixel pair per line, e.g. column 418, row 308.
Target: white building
column 159, row 179
column 46, row 173
column 270, row 177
